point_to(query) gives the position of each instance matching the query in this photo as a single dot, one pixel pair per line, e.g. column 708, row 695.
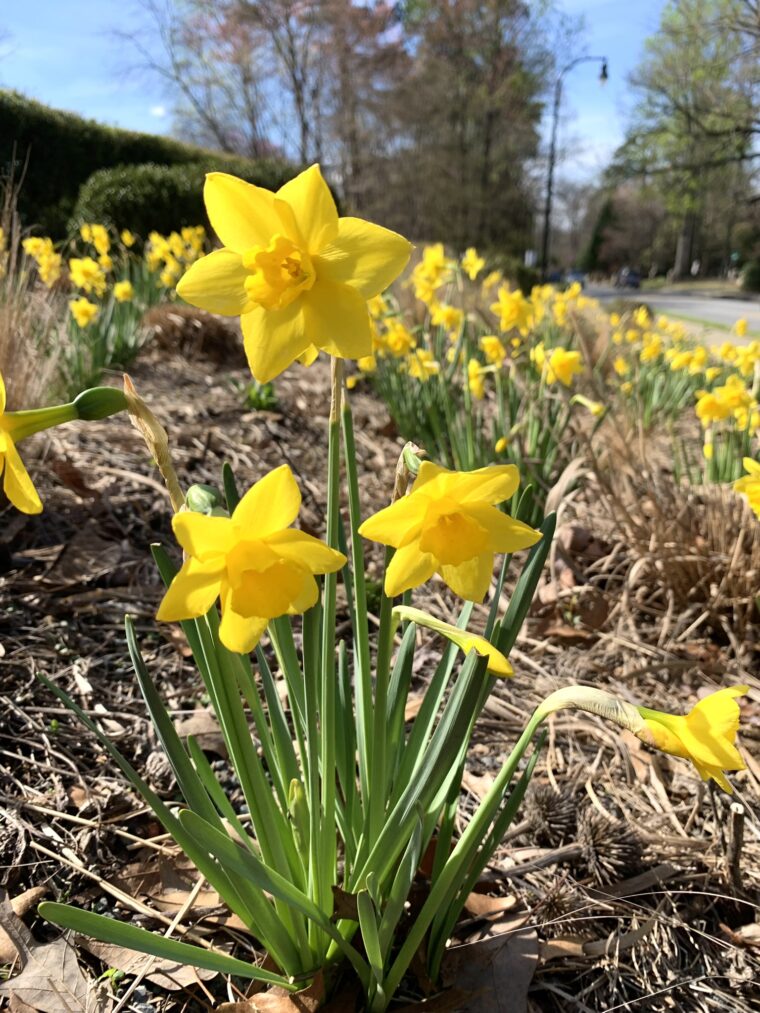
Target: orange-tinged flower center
column 450, row 534
column 280, row 272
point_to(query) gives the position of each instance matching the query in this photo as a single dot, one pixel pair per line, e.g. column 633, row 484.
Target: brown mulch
column 636, row 884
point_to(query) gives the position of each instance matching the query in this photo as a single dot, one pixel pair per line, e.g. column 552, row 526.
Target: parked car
column 627, row 277
column 576, row 277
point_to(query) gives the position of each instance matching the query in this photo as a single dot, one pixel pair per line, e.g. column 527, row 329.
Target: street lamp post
column 553, row 151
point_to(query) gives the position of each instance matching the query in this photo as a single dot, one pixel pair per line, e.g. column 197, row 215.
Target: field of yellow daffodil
column 433, row 698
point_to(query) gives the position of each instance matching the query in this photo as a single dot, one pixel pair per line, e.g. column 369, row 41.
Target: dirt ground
column 625, row 881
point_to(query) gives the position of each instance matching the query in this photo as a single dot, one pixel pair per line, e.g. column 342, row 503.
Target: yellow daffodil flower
column 620, row 366
column 706, row 735
column 472, row 263
column 449, row 524
column 594, row 407
column 421, row 364
column 497, row 663
column 501, row 444
column 749, row 485
column 493, row 349
column 559, row 364
column 513, row 310
column 123, row 291
column 87, row 274
column 83, row 311
column 295, row 273
column 17, row 485
column 259, row 566
column 128, row 238
column 475, row 383
column 740, row 327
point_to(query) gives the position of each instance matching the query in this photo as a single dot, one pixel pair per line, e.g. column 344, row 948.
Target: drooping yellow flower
column 749, row 485
column 123, row 291
column 128, row 238
column 594, row 407
column 448, row 524
column 258, row 565
column 83, row 311
column 295, row 273
column 465, row 641
column 17, row 485
column 472, row 263
column 706, row 735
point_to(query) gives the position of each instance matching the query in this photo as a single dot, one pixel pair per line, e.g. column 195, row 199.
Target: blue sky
column 64, row 53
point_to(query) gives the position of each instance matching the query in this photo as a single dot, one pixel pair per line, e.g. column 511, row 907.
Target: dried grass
column 30, row 316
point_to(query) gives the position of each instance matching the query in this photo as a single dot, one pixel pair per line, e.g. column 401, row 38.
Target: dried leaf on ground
column 51, row 980
column 496, row 969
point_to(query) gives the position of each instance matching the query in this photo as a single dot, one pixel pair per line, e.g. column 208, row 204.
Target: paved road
column 683, row 304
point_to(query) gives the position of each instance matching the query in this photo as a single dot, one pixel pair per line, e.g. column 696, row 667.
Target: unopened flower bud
column 99, row 403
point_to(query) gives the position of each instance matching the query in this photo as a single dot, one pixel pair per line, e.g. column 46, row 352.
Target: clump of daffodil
column 559, row 364
column 295, row 273
column 706, row 735
column 749, row 485
column 49, row 263
column 449, row 524
column 258, row 565
column 83, row 311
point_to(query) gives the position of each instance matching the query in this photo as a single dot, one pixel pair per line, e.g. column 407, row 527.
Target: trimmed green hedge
column 57, row 152
column 162, row 197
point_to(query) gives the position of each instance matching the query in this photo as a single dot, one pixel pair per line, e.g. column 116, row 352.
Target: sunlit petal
column 269, row 506
column 217, row 283
column 313, row 208
column 241, row 214
column 365, row 256
column 274, row 339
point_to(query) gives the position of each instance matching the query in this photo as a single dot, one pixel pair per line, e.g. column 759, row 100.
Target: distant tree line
column 425, row 113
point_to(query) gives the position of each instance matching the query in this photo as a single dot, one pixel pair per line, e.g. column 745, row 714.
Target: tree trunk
column 682, row 265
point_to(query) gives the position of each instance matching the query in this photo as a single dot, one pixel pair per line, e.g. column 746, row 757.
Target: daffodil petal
column 202, row 536
column 191, row 594
column 391, row 525
column 408, row 568
column 239, row 634
column 273, row 339
column 313, row 208
column 270, row 505
column 337, row 319
column 17, row 484
column 217, row 283
column 2, row 394
column 241, row 214
column 492, row 484
column 470, row 579
column 301, row 548
column 505, row 533
column 365, row 256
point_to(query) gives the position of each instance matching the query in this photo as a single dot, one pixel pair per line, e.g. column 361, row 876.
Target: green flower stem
column 378, row 786
column 327, row 843
column 362, row 658
column 458, row 860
